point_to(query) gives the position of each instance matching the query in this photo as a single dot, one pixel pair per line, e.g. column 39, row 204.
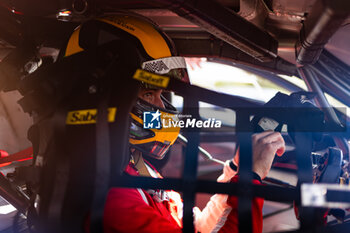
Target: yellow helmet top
column 155, row 43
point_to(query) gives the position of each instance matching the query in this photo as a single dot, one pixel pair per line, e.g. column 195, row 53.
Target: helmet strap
column 140, row 164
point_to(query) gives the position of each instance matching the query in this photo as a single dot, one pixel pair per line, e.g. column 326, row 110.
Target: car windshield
column 231, row 80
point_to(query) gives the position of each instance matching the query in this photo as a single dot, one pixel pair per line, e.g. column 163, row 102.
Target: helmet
column 157, row 55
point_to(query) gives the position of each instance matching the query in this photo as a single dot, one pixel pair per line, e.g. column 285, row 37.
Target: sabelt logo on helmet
column 87, row 116
column 150, row 78
column 156, row 66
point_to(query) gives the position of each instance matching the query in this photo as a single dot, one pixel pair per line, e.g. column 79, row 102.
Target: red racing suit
column 138, row 210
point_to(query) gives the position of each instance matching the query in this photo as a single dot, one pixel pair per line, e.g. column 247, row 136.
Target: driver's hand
column 265, row 146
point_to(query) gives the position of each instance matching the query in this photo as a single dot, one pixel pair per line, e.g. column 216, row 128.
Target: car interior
column 253, row 65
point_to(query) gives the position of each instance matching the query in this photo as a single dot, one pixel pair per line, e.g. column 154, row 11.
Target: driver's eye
column 148, row 96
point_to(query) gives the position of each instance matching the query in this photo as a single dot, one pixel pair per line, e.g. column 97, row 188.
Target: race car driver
column 139, row 210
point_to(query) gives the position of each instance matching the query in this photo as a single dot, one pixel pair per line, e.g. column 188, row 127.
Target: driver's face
column 152, row 96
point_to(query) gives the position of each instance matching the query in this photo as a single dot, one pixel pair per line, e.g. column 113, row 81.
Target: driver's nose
column 159, row 102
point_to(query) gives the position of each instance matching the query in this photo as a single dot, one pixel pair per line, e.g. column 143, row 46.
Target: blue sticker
column 151, row 120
